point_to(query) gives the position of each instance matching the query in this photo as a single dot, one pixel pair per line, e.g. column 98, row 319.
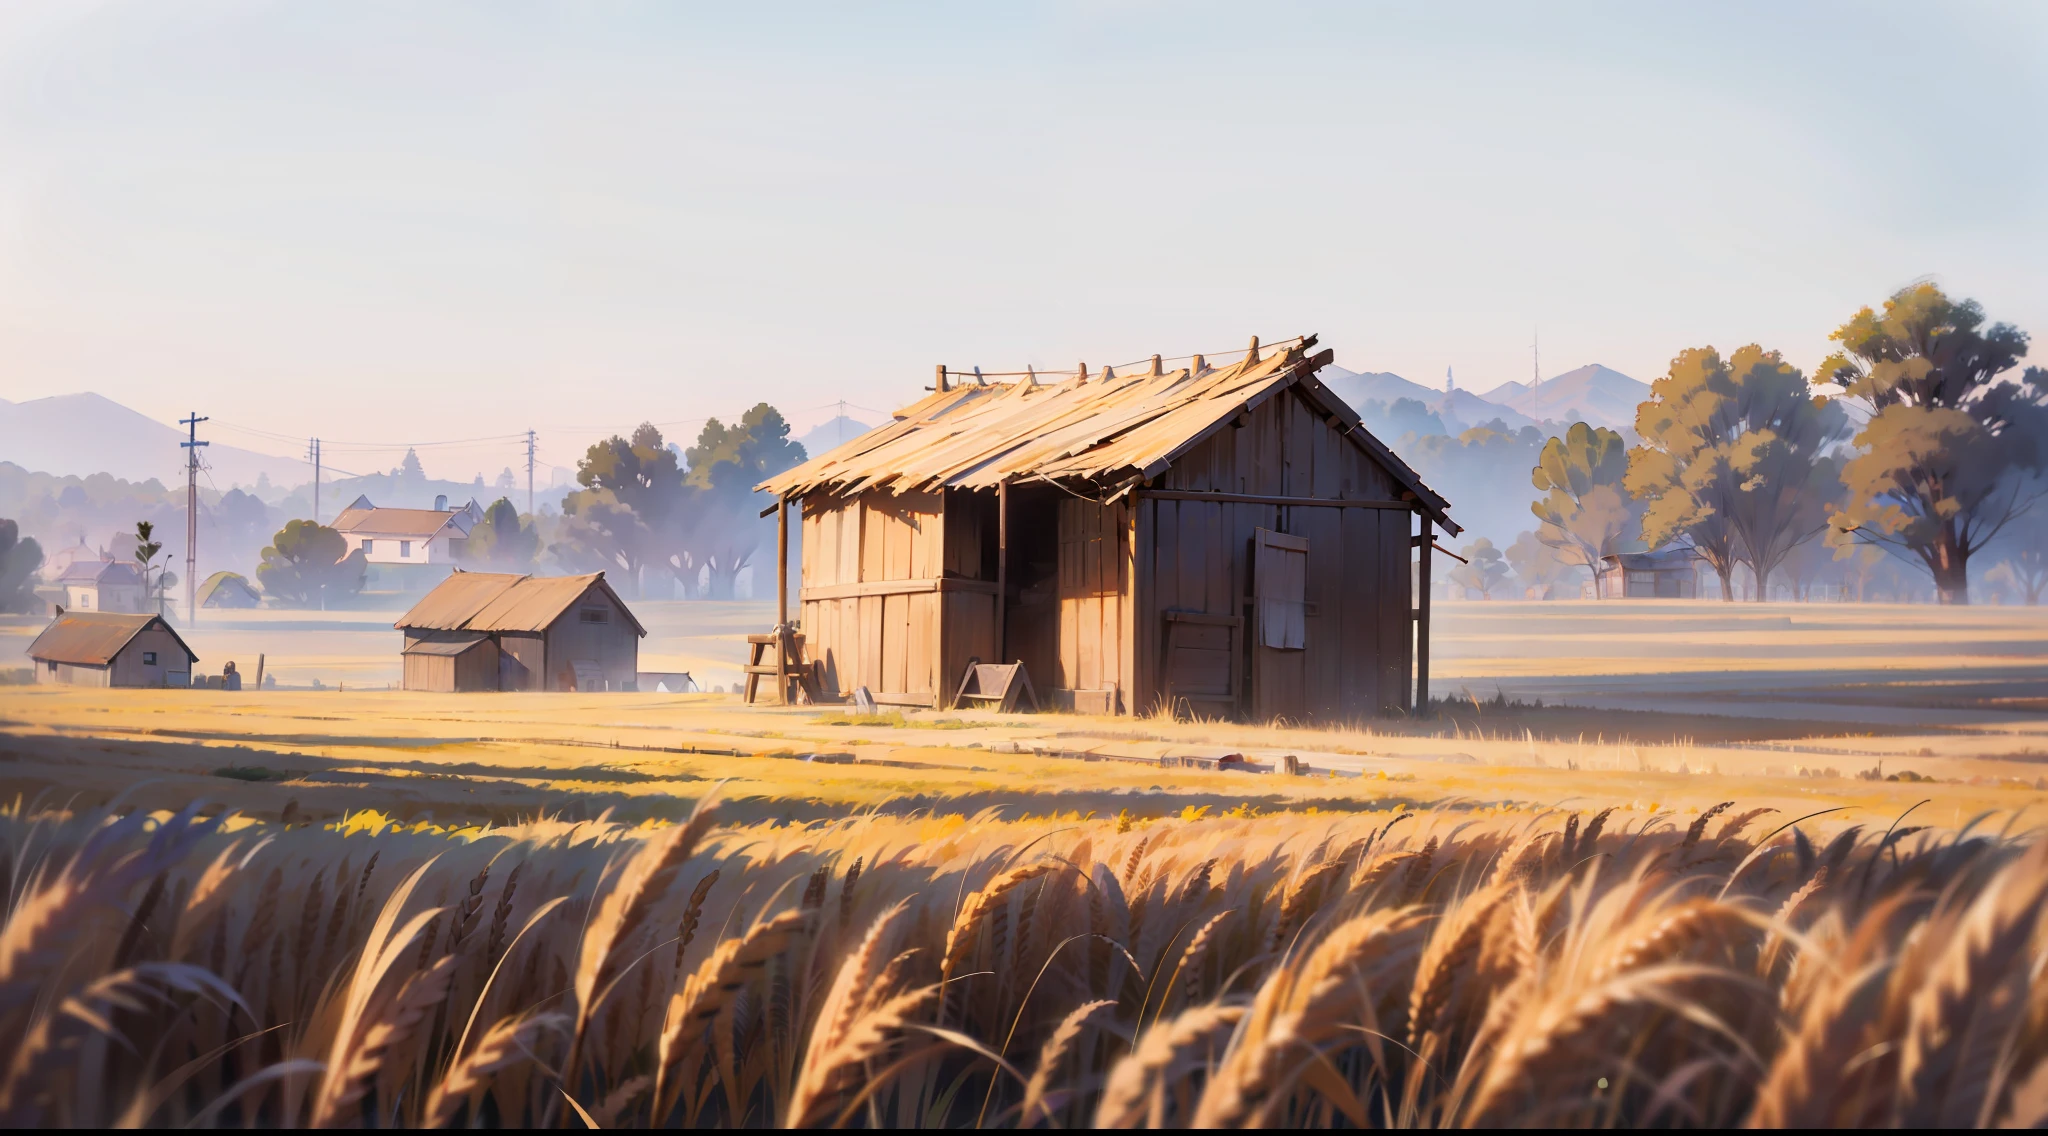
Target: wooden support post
column 1422, row 620
column 782, row 636
column 1002, row 570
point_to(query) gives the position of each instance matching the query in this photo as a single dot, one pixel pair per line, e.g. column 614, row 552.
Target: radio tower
column 191, row 446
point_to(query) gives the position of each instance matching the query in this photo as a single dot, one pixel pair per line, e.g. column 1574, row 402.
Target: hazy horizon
column 391, row 223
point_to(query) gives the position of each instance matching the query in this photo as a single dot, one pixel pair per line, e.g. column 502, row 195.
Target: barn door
column 1280, row 625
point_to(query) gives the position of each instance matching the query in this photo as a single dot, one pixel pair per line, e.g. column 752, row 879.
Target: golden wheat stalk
column 508, row 1042
column 1132, row 1097
column 709, row 992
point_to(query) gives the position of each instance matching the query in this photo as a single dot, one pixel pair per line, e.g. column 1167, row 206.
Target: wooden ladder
column 787, row 668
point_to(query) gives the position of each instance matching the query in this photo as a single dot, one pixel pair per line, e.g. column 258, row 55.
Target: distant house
column 1670, row 574
column 498, row 631
column 100, row 648
column 104, row 585
column 407, row 541
column 229, row 590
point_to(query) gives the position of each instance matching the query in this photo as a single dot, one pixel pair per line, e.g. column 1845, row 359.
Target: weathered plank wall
column 1194, row 556
column 1095, row 667
column 888, row 643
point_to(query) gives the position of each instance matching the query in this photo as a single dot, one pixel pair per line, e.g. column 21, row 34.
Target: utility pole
column 191, row 446
column 313, row 455
column 529, row 473
column 1536, row 377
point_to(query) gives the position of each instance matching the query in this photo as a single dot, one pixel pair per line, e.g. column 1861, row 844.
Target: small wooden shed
column 481, row 631
column 1669, row 574
column 105, row 648
column 1227, row 541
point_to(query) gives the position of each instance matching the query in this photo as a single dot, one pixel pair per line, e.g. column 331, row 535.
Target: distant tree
column 1734, row 460
column 631, row 500
column 725, row 528
column 310, row 565
column 1945, row 454
column 20, row 557
column 2023, row 563
column 501, row 541
column 145, row 556
column 1486, row 568
column 1586, row 512
column 1396, row 421
column 410, row 470
column 1538, row 566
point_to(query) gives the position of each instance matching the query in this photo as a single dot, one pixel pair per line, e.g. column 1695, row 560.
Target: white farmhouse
column 408, row 547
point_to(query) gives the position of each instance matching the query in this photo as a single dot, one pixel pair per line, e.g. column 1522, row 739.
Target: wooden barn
column 479, row 631
column 1671, row 574
column 1226, row 540
column 105, row 648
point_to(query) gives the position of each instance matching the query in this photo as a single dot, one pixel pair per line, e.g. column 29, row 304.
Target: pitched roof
column 502, row 601
column 1110, row 430
column 236, row 585
column 445, row 643
column 104, row 572
column 93, row 638
column 416, row 523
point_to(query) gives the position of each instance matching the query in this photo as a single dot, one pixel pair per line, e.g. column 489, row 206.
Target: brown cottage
column 104, row 648
column 498, row 631
column 1229, row 541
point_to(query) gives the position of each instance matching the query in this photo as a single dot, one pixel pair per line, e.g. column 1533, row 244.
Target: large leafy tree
column 632, row 497
column 310, row 565
column 1952, row 434
column 1734, row 460
column 502, row 541
column 1586, row 511
column 725, row 529
column 20, row 556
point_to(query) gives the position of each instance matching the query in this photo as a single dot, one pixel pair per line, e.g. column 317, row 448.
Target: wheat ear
column 1061, row 1045
column 1126, row 1097
column 966, row 929
column 710, row 990
column 506, row 1043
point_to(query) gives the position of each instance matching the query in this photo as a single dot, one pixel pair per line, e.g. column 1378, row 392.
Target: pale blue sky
column 406, row 221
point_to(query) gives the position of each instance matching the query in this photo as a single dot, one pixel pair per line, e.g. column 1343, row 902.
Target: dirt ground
column 1652, row 706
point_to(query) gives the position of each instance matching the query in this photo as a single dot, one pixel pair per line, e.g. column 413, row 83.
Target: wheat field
column 1409, row 967
column 384, row 909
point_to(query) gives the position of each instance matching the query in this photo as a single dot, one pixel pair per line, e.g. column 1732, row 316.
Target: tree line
column 645, row 511
column 1920, row 437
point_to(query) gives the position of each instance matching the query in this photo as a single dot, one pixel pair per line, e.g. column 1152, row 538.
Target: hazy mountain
column 1593, row 393
column 83, row 434
column 1459, row 409
column 832, row 434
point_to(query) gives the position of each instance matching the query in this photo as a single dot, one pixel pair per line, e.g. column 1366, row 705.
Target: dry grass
column 1277, row 970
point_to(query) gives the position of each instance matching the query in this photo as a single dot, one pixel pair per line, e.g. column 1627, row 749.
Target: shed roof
column 418, row 523
column 93, row 638
column 1114, row 430
column 233, row 583
column 1662, row 560
column 103, row 572
column 445, row 643
column 503, row 601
